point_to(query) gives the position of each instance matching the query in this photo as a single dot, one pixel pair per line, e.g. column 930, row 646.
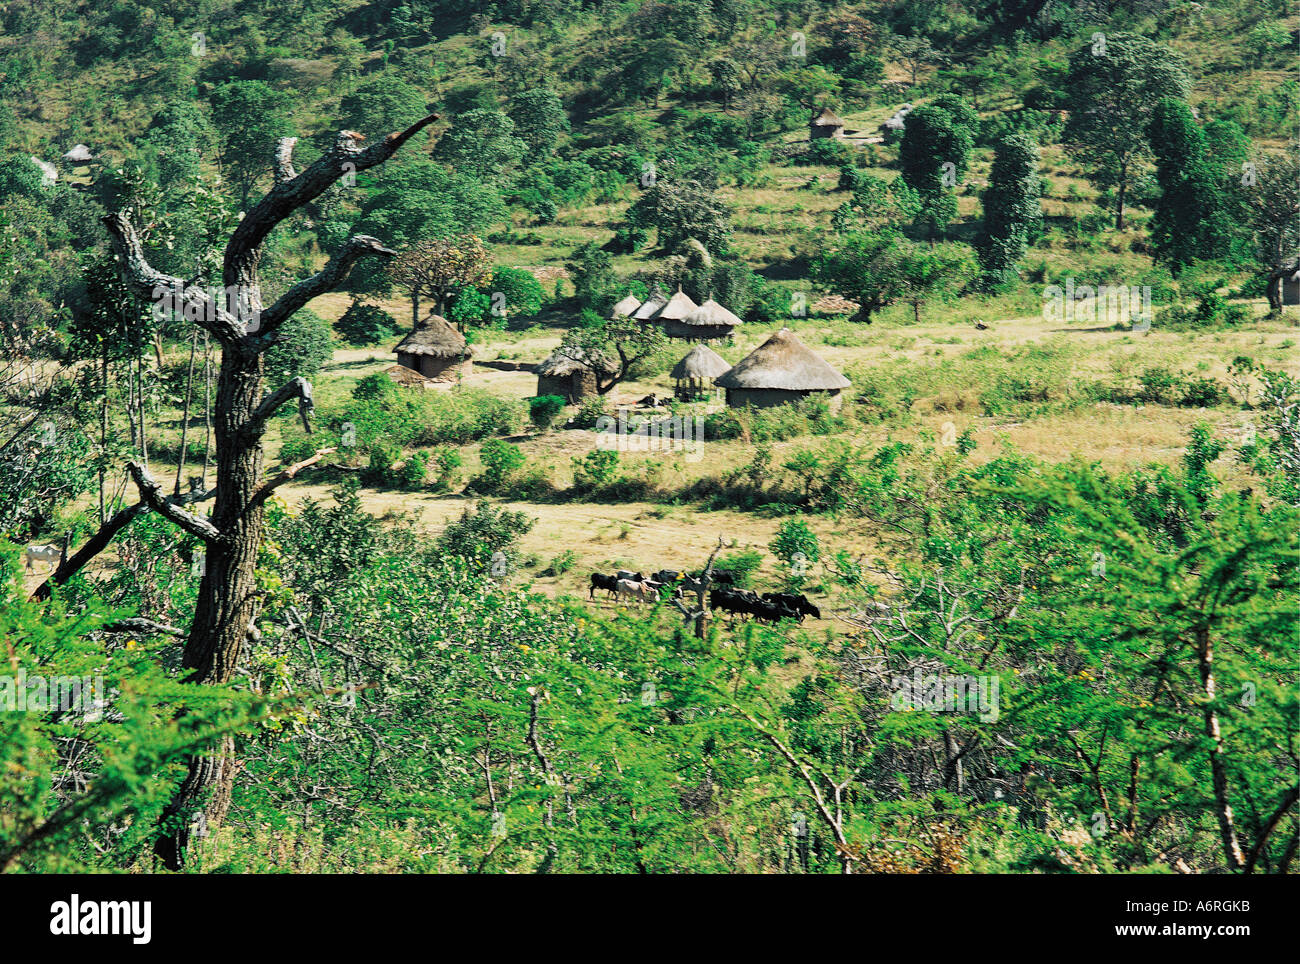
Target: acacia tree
column 440, row 267
column 228, row 597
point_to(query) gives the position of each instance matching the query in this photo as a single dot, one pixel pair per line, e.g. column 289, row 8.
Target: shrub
column 413, row 470
column 305, row 343
column 382, row 456
column 447, row 462
column 365, row 324
column 480, row 534
column 590, row 411
column 742, row 565
column 797, row 546
column 500, row 460
column 595, row 470
column 544, row 409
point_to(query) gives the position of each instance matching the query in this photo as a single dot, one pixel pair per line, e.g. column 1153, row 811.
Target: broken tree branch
column 327, row 279
column 264, row 493
column 152, row 284
column 298, row 388
column 152, row 494
column 288, row 195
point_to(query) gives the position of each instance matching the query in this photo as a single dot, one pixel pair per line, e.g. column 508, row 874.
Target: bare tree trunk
column 227, row 598
column 207, row 410
column 185, row 413
column 1222, row 808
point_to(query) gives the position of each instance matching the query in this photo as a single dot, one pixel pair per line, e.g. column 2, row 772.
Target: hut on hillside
column 710, row 320
column 571, row 374
column 80, row 154
column 694, row 374
column 626, row 307
column 826, row 124
column 674, row 310
column 436, row 350
column 650, row 307
column 782, row 369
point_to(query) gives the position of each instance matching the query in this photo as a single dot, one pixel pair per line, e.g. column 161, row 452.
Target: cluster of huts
column 782, row 369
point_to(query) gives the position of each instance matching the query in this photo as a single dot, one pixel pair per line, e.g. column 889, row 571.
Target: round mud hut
column 436, row 350
column 707, row 322
column 782, row 369
column 826, row 124
column 695, row 373
column 571, row 375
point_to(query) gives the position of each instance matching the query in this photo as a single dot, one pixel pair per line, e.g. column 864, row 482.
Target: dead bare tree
column 228, row 598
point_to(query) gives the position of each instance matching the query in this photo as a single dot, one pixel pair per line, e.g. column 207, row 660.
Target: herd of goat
column 769, row 607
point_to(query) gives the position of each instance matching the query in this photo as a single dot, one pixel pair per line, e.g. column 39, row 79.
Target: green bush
column 544, row 409
column 500, row 459
column 414, row 470
column 366, row 324
column 595, row 470
column 305, row 343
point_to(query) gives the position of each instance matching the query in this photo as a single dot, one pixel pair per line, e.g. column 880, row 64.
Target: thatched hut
column 782, row 369
column 695, row 373
column 436, row 350
column 826, row 124
column 650, row 307
column 626, row 307
column 571, row 374
column 675, row 309
column 709, row 320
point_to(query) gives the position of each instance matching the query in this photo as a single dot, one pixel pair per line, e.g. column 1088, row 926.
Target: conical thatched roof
column 828, row 118
column 649, row 307
column 711, row 315
column 565, row 361
column 783, row 362
column 625, row 307
column 678, row 307
column 701, row 362
column 436, row 337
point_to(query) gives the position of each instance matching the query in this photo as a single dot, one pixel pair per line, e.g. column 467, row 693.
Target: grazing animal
column 724, row 577
column 47, row 553
column 630, row 576
column 645, row 591
column 796, row 601
column 667, row 575
column 601, row 581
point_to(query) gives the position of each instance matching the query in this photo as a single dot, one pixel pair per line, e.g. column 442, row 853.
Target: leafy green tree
column 501, row 460
column 1191, row 219
column 933, row 157
column 382, row 104
column 365, row 323
column 1012, row 213
column 250, row 116
column 680, row 210
column 1113, row 85
column 595, row 285
column 539, row 120
column 304, row 344
column 864, row 266
column 482, row 144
